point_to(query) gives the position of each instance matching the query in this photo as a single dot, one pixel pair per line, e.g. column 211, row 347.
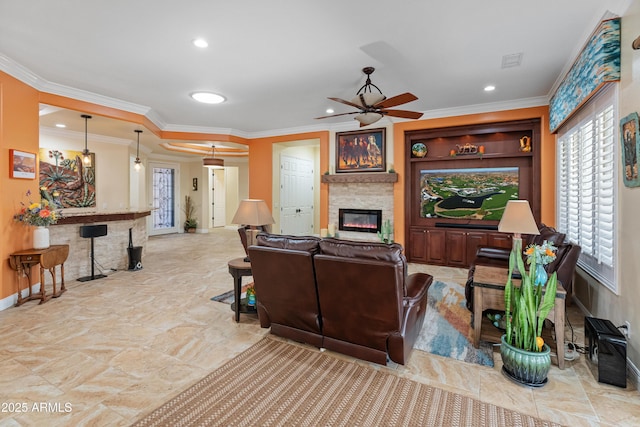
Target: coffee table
column 488, row 294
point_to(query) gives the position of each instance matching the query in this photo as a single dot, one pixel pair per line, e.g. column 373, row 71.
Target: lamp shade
column 253, row 212
column 213, row 163
column 368, row 118
column 518, row 219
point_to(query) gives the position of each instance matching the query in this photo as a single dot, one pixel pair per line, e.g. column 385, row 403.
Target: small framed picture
column 22, row 164
column 629, row 131
column 361, row 151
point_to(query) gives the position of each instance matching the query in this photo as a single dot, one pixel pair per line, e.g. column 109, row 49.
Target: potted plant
column 526, row 358
column 190, row 223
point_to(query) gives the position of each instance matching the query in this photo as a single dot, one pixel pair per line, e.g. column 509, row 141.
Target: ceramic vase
column 40, row 237
column 525, row 367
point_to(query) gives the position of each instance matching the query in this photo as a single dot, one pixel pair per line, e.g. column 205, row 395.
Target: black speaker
column 607, row 351
column 88, row 231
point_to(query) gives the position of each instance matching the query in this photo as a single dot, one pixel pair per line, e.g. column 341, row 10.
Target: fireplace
column 362, row 220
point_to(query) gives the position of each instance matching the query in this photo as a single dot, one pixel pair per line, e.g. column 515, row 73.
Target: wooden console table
column 488, row 293
column 48, row 259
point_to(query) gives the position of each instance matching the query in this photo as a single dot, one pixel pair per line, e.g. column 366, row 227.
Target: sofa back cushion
column 296, row 243
column 549, row 234
column 285, row 284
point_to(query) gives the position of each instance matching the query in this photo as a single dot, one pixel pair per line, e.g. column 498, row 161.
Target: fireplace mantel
column 364, row 177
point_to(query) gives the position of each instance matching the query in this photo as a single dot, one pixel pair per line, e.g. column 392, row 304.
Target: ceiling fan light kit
column 373, row 106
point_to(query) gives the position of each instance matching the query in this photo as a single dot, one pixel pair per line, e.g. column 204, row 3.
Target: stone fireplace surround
column 360, row 191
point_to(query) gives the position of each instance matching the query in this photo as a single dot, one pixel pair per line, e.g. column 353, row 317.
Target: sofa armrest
column 417, row 285
column 493, row 252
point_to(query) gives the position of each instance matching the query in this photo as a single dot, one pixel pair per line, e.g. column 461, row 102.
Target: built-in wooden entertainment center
column 477, row 153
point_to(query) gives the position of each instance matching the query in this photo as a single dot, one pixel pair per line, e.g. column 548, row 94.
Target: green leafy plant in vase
column 525, row 356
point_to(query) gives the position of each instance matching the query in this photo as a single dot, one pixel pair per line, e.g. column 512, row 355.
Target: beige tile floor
column 111, row 350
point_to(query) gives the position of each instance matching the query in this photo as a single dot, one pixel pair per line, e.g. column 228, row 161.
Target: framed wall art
column 22, row 164
column 629, row 132
column 64, row 173
column 361, row 151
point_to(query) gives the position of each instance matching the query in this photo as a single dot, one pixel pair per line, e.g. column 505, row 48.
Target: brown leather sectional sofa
column 351, row 297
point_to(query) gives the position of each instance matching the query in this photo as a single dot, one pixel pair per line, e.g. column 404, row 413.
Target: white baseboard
column 11, row 300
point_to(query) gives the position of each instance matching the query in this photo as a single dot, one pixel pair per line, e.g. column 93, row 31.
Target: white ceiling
column 277, row 61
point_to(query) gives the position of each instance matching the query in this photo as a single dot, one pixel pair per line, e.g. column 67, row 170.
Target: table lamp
column 255, row 214
column 518, row 219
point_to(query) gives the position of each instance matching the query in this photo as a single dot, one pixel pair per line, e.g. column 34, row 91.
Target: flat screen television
column 469, row 193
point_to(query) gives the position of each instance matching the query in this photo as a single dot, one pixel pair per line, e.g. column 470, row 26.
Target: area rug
column 228, row 297
column 275, row 383
column 447, row 329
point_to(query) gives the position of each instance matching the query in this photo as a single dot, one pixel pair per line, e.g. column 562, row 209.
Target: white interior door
column 165, row 209
column 219, row 195
column 296, row 196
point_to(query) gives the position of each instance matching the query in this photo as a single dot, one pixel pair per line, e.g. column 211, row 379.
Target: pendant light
column 86, row 156
column 137, row 161
column 212, row 162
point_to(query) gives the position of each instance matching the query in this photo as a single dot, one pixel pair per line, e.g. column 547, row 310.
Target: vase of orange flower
column 41, row 215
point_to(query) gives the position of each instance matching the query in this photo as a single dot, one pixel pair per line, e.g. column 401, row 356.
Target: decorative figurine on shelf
column 467, row 148
column 385, row 232
column 525, row 144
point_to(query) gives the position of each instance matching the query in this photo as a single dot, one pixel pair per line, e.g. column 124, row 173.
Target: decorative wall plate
column 419, row 149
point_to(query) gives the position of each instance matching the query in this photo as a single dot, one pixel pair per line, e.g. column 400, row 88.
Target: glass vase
column 541, row 275
column 40, row 237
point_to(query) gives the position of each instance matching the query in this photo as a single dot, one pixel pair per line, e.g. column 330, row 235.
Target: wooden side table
column 488, row 293
column 48, row 259
column 238, row 268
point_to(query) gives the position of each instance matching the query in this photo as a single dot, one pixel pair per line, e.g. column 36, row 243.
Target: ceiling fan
column 373, row 106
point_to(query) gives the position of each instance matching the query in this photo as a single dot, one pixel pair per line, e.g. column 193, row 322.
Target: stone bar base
column 110, row 250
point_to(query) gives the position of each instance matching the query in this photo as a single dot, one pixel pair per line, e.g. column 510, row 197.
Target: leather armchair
column 564, row 265
column 285, row 285
column 370, row 307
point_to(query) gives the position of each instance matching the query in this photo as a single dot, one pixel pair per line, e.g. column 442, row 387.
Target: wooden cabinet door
column 500, row 240
column 475, row 239
column 436, row 247
column 457, row 248
column 417, row 245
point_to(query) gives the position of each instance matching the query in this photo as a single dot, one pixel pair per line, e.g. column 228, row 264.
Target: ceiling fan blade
column 396, row 100
column 402, row 113
column 336, row 115
column 342, row 101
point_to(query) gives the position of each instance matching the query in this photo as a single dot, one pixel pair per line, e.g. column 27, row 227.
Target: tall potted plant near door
column 526, row 358
column 190, row 223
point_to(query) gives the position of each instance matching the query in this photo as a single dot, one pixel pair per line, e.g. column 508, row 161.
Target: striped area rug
column 275, row 383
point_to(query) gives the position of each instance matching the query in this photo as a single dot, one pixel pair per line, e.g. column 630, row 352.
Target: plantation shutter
column 586, row 176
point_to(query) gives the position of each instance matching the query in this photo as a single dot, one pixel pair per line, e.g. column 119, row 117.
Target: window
column 586, row 183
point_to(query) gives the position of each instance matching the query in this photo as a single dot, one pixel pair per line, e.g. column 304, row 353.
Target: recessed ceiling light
column 208, row 97
column 200, row 43
column 329, row 110
column 489, row 88
column 61, row 125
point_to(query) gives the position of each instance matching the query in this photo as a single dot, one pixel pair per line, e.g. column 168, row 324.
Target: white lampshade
column 368, row 118
column 370, row 99
column 253, row 212
column 518, row 219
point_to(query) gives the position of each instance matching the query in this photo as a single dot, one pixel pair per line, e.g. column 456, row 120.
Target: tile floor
column 109, row 351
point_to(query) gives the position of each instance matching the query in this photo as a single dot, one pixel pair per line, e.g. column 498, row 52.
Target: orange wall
column 261, row 169
column 19, row 129
column 547, row 157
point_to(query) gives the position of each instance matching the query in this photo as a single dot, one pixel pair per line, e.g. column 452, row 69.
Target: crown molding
column 69, row 134
column 21, row 73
